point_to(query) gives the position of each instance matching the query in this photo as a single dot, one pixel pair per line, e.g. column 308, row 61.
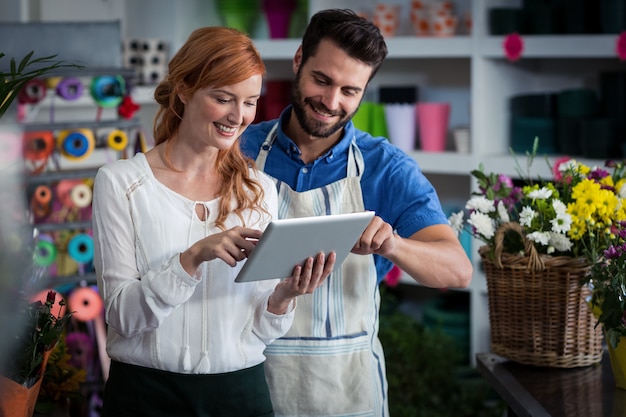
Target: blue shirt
column 392, row 183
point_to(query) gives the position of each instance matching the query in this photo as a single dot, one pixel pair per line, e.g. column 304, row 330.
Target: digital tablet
column 289, row 242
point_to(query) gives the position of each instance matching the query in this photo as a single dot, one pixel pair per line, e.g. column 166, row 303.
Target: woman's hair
column 357, row 36
column 212, row 57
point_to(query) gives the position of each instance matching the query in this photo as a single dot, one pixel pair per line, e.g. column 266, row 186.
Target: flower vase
column 618, row 363
column 278, row 15
column 18, row 400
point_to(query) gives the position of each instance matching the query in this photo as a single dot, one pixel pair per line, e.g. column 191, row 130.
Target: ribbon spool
column 117, row 140
column 45, row 252
column 41, row 201
column 80, row 248
column 85, row 303
column 81, row 195
column 38, row 146
column 108, row 91
column 33, row 92
column 76, row 144
column 70, row 88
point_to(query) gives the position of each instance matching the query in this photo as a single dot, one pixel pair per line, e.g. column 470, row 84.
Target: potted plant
column 540, row 238
column 32, row 329
column 607, row 279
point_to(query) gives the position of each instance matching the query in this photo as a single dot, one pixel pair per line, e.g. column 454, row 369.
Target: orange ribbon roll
column 38, row 145
column 85, row 303
column 41, row 201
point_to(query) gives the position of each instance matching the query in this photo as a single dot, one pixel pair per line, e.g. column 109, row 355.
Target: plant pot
column 16, row 400
column 618, row 363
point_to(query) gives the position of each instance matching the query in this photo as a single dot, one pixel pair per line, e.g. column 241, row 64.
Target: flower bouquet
column 608, row 282
column 22, row 374
column 541, row 238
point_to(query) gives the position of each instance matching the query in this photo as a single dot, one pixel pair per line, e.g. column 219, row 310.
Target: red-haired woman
column 171, row 229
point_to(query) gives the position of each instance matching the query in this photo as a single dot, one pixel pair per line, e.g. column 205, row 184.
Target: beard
column 310, row 125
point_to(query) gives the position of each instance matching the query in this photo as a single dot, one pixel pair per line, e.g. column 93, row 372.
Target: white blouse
column 158, row 315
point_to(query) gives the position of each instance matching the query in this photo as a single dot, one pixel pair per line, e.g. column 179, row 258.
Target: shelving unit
column 471, row 71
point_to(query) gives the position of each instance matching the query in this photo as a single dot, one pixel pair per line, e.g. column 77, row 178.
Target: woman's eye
column 251, row 103
column 222, row 100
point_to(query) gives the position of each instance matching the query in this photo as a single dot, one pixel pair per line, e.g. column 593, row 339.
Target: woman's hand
column 231, row 246
column 305, row 279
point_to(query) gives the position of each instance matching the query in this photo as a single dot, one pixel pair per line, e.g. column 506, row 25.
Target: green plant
column 19, row 74
column 424, row 379
column 41, row 330
column 608, row 282
column 61, row 381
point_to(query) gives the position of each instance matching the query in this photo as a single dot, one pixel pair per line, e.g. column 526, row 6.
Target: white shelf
column 470, row 71
column 553, row 47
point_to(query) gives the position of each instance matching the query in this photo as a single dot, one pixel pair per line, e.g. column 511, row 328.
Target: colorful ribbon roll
column 70, row 88
column 41, row 201
column 108, row 91
column 33, row 92
column 76, row 144
column 38, row 145
column 81, row 195
column 117, row 140
column 45, row 252
column 80, row 248
column 85, row 303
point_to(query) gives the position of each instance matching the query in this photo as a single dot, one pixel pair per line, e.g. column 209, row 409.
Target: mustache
column 323, row 109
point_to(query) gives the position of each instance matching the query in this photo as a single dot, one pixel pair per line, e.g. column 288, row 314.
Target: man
column 331, row 362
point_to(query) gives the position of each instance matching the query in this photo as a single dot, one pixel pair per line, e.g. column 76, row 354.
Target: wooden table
column 556, row 392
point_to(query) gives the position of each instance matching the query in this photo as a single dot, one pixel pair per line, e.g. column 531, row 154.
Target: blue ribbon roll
column 80, row 248
column 76, row 144
column 108, row 91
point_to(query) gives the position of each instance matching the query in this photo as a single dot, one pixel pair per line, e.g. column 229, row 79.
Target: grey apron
column 331, row 362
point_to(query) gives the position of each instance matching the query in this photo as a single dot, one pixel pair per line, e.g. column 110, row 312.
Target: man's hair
column 357, row 36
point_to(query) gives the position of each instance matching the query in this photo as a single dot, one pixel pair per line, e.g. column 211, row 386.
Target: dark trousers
column 135, row 391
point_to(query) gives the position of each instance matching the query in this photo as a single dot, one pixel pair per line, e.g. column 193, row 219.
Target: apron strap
column 355, row 157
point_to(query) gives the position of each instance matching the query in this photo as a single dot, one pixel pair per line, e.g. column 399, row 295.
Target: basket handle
column 535, row 263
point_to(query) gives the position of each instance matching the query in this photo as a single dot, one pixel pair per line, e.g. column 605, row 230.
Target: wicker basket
column 537, row 309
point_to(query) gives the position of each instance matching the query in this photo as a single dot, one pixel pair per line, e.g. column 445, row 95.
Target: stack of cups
column 433, row 18
column 387, row 18
column 238, row 14
column 433, row 119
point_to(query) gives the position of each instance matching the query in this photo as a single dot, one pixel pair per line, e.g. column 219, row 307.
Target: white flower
column 481, row 204
column 561, row 223
column 483, row 224
column 541, row 194
column 503, row 213
column 622, row 191
column 526, row 216
column 560, row 242
column 543, row 238
column 456, row 222
column 559, row 207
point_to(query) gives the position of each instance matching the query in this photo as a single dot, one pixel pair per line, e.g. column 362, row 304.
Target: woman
column 171, row 228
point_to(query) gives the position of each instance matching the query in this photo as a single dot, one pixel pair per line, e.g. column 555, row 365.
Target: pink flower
column 393, row 276
column 620, row 46
column 513, row 46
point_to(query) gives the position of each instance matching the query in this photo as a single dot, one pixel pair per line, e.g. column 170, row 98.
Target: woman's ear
column 180, row 95
column 297, row 60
